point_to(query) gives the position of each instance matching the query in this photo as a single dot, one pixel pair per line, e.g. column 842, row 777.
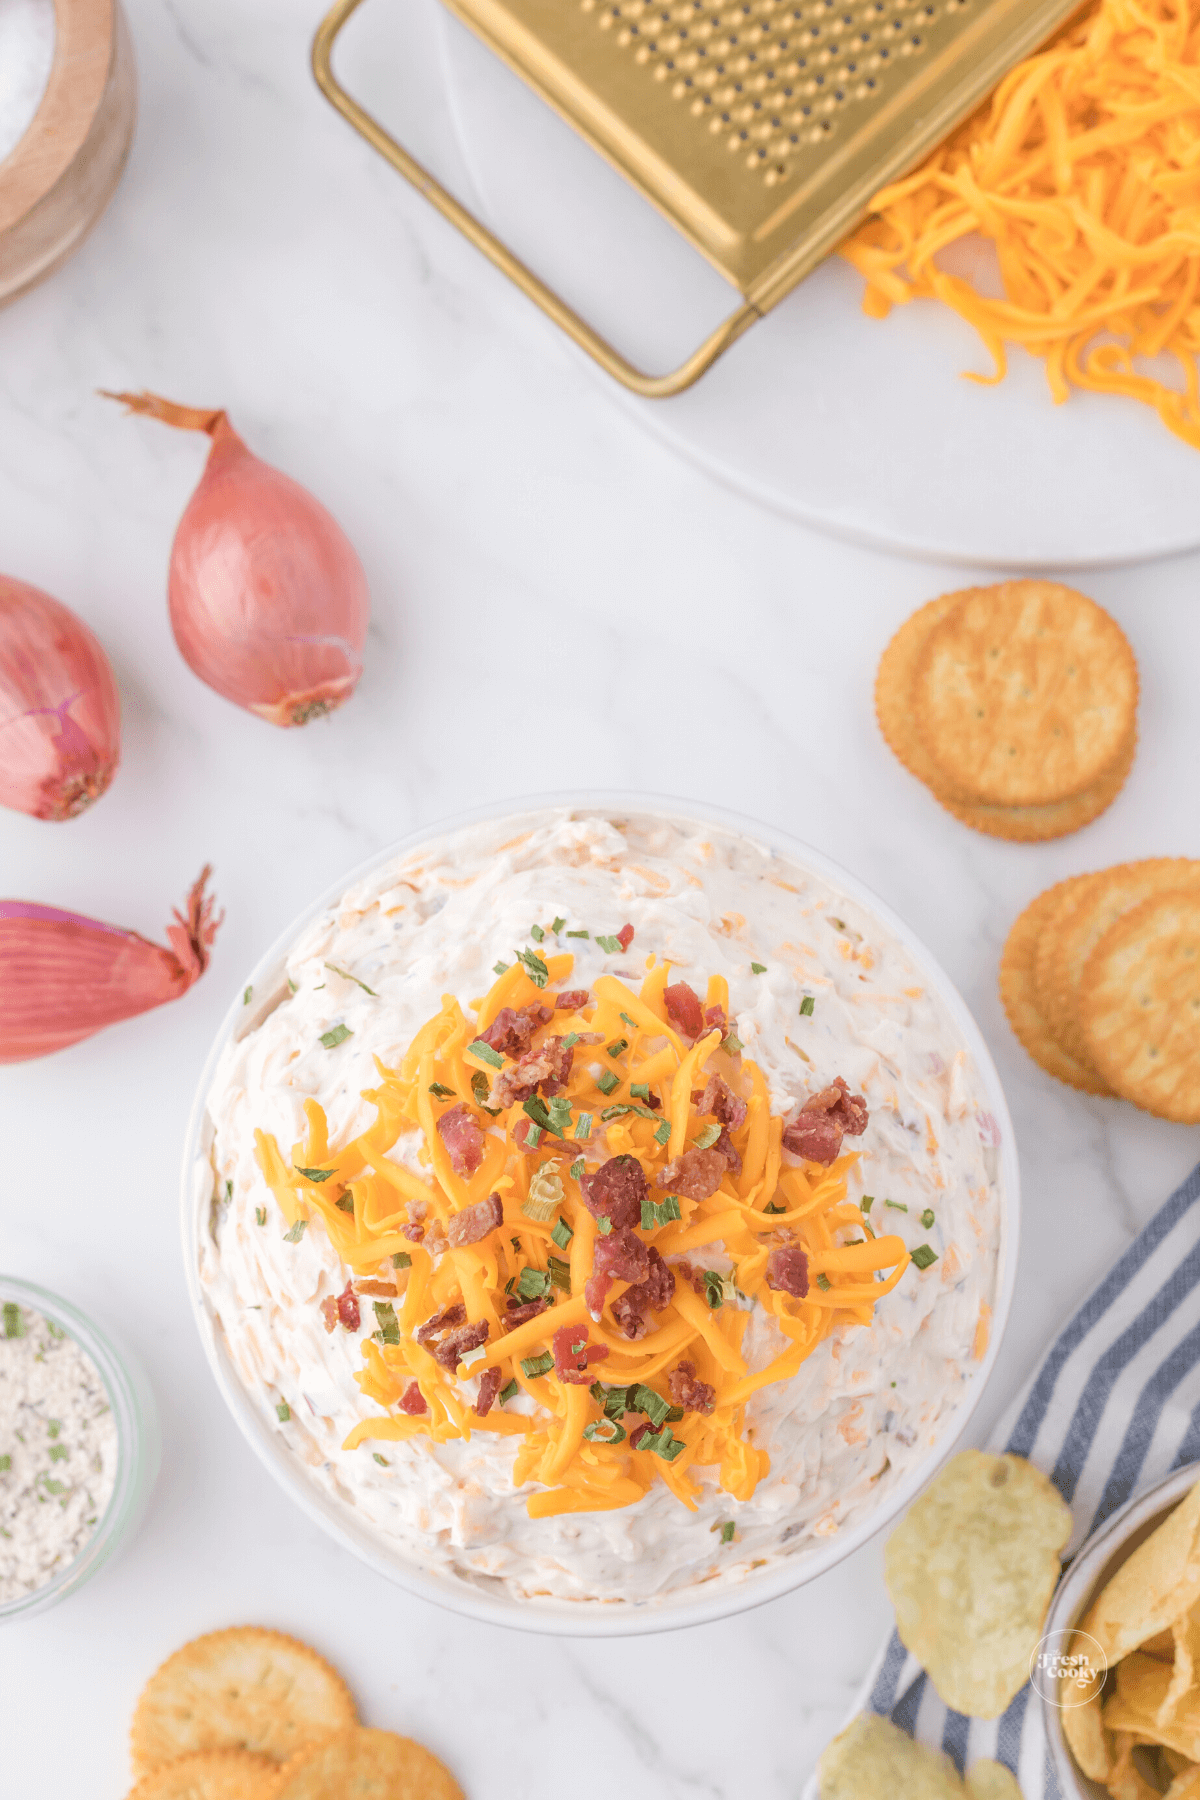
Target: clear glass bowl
column 138, row 1444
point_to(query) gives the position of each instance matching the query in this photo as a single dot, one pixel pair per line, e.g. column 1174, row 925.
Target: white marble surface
column 512, row 520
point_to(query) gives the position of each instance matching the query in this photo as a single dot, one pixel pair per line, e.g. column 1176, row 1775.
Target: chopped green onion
column 732, row 1044
column 536, row 933
column 606, row 1081
column 640, row 1090
column 536, row 1109
column 618, row 1044
column 535, row 968
column 577, row 1168
column 533, row 1137
column 508, row 1393
column 339, row 1034
column 260, row 1215
column 771, row 1207
column 604, row 1431
column 609, row 945
column 714, row 1287
column 562, row 1234
column 578, row 934
column 923, row 1256
column 866, row 1203
column 664, row 1444
column 559, row 1109
column 385, row 1319
column 228, row 1192
column 645, row 1400
column 927, row 1218
column 485, row 1053
column 603, row 1224
column 823, row 1283
column 5, row 1464
column 532, row 1284
column 661, row 1212
column 58, row 1453
column 806, row 1006
column 632, row 1023
column 440, row 1091
column 758, row 968
column 246, row 996
column 314, row 1174
column 896, row 1205
column 481, row 1091
column 347, row 976
column 296, row 1233
column 545, row 1195
column 401, row 1259
column 628, row 1106
column 557, row 926
column 583, row 1128
column 533, row 1366
column 381, row 1460
column 706, row 1138
column 559, row 1273
column 345, row 1204
column 663, row 1134
column 727, row 1530
column 572, row 1037
column 292, row 988
column 283, row 1412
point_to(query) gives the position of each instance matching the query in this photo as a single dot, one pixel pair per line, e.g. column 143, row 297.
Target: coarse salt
column 58, row 1450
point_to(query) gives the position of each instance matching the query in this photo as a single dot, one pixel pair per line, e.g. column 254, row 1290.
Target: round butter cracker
column 1018, row 990
column 1024, row 694
column 1139, row 1005
column 213, row 1775
column 242, row 1689
column 362, row 1764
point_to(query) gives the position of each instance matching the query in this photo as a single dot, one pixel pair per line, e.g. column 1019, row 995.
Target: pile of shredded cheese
column 574, row 1448
column 1083, row 170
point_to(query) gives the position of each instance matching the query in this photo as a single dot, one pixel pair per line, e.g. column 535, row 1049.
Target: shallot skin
column 268, row 599
column 63, row 976
column 60, row 713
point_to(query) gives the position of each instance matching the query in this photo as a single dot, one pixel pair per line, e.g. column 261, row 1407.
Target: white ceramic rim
column 689, row 1606
column 1076, row 1590
column 138, row 1445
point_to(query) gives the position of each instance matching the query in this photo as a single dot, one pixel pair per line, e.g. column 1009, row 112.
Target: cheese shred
column 1083, row 172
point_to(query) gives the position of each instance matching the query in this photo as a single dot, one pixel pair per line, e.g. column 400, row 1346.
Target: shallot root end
column 191, row 937
column 153, row 406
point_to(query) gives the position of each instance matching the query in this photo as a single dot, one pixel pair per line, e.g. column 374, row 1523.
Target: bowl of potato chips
column 1118, row 1668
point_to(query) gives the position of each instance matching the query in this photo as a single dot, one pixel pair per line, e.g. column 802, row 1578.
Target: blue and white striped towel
column 1113, row 1408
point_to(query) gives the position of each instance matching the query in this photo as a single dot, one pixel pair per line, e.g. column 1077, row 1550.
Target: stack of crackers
column 249, row 1714
column 1100, row 979
column 1016, row 705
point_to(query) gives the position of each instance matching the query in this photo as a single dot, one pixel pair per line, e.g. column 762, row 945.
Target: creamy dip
column 837, row 995
column 58, row 1450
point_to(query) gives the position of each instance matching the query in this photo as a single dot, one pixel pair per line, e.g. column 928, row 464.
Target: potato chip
column 971, row 1569
column 1095, row 905
column 1018, row 990
column 1083, row 1728
column 1155, row 1585
column 1139, row 1006
column 242, row 1689
column 1186, row 1785
column 1142, row 1685
column 873, row 1757
column 213, row 1775
column 1135, row 1763
column 1162, row 1645
column 1185, row 1638
column 988, row 1780
column 1024, row 694
column 361, row 1764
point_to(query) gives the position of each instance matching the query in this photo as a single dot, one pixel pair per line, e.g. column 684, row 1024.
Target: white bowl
column 1095, row 1564
column 568, row 1618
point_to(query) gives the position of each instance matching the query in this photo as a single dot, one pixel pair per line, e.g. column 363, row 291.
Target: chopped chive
column 727, row 1530
column 606, row 1081
column 557, row 926
column 758, row 968
column 927, row 1218
column 533, row 1366
column 345, row 1204
column 401, row 1259
column 603, row 1224
column 632, row 1023
column 347, row 976
column 617, row 1045
column 578, row 934
column 246, row 996
column 58, row 1453
column 480, row 1091
column 510, row 1284
column 714, row 1287
column 537, row 934
column 292, row 988
column 532, row 1284
column 806, row 1006
column 562, row 1234
column 628, row 1106
column 663, row 1134
column 577, row 1168
column 609, row 945
column 534, row 967
column 583, row 1128
column 228, row 1192
column 339, row 1034
column 440, row 1091
column 260, row 1215
column 381, row 1460
column 896, row 1205
column 5, row 1464
column 296, row 1233
column 866, row 1203
column 604, row 1431
column 706, row 1138
column 536, row 1109
column 499, row 968
column 559, row 1273
column 283, row 1412
column 53, row 1427
column 385, row 1319
column 485, row 1053
column 314, row 1174
column 923, row 1256
column 823, row 1283
column 639, row 1090
column 572, row 1037
column 507, row 1393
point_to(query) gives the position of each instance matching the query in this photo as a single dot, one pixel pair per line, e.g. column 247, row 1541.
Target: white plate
column 862, row 428
column 483, row 1602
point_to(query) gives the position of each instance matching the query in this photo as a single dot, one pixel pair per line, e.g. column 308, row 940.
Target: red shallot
column 63, row 977
column 268, row 600
column 60, row 717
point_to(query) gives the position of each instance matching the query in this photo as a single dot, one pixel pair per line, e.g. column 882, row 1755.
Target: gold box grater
column 761, row 129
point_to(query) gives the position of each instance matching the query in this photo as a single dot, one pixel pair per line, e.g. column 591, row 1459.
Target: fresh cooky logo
column 1066, row 1668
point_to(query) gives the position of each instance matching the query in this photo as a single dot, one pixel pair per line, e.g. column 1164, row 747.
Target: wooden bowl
column 64, row 171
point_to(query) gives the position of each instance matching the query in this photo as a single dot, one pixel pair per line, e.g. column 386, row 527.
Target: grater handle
column 650, row 387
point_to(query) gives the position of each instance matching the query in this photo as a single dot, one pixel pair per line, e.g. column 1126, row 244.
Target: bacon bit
column 441, row 1321
column 512, row 1032
column 521, row 1311
column 719, row 1099
column 571, row 999
column 696, row 1174
column 715, row 1019
column 630, row 1309
column 377, row 1287
column 816, row 1131
column 475, row 1222
column 686, row 1391
column 638, row 1433
column 548, row 1067
column 453, row 1348
column 684, row 1009
column 787, row 1268
column 615, row 1191
column 624, row 937
column 435, row 1238
column 412, row 1400
column 725, row 1147
column 347, row 1306
column 622, row 1256
column 413, row 1232
column 329, row 1312
column 595, row 1293
column 573, row 1355
column 463, row 1137
column 489, row 1387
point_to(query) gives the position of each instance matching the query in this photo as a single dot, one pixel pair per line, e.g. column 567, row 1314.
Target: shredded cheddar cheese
column 571, row 1454
column 1083, row 170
